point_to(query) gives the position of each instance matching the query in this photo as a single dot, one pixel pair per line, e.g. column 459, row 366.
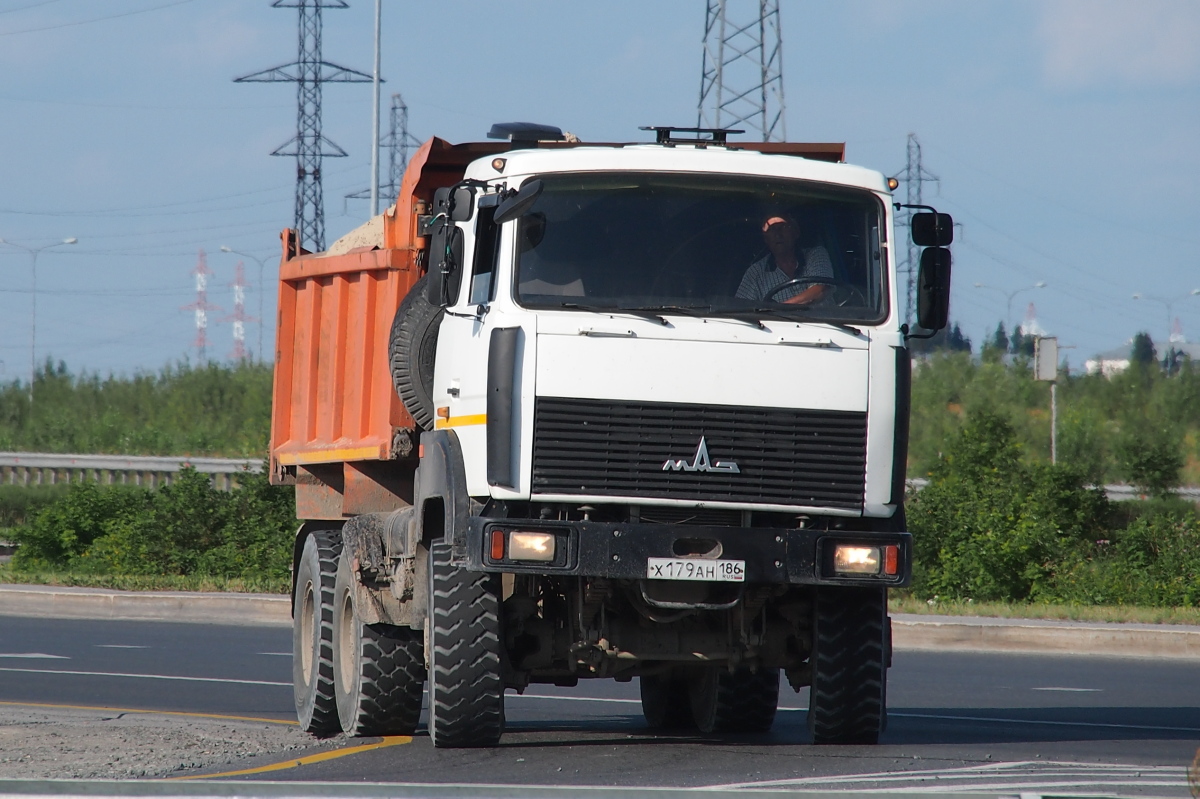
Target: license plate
column 718, row 571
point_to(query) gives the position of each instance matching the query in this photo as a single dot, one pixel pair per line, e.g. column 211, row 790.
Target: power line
column 309, row 146
column 914, row 175
column 27, row 7
column 741, row 73
column 94, row 19
column 397, row 142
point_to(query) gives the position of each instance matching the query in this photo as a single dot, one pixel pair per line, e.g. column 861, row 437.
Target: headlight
column 531, row 546
column 859, row 559
column 849, row 559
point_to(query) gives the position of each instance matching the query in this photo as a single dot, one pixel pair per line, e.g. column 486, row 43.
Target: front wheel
column 379, row 669
column 847, row 699
column 466, row 690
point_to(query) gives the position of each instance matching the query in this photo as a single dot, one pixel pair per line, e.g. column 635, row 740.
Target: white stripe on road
column 275, row 654
column 1071, row 690
column 33, row 656
column 122, row 646
column 147, row 676
column 997, row 720
column 1011, row 776
column 930, row 716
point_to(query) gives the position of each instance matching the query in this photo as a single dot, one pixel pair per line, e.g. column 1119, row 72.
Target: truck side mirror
column 933, row 288
column 462, row 203
column 932, row 229
column 445, row 262
column 519, row 203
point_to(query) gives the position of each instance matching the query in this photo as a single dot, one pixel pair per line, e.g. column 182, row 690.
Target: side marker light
column 891, row 560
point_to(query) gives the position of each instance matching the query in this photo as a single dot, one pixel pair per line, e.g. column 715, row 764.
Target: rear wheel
column 737, row 701
column 665, row 702
column 847, row 702
column 312, row 634
column 466, row 691
column 379, row 669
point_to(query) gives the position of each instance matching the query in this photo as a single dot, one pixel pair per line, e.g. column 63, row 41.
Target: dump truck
column 572, row 411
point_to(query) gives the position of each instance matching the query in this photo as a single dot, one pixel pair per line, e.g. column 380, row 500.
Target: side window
column 487, row 248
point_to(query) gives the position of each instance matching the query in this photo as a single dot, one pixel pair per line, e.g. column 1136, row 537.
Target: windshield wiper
column 778, row 313
column 781, row 315
column 645, row 313
column 702, row 311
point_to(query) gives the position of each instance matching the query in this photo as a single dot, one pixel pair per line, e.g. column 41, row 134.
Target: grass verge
column 905, row 603
column 145, row 582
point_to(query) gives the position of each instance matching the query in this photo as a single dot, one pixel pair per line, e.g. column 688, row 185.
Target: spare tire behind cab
column 411, row 352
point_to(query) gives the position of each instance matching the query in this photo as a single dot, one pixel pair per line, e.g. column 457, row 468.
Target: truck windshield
column 711, row 245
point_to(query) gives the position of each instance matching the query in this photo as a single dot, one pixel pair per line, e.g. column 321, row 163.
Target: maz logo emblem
column 701, row 463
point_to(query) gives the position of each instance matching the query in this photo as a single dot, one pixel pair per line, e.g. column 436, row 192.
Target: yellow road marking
column 389, row 740
column 460, row 421
column 154, row 712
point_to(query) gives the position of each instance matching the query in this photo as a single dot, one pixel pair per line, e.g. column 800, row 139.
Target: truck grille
column 783, row 456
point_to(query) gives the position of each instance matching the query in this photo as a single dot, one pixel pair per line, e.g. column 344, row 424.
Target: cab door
column 461, row 369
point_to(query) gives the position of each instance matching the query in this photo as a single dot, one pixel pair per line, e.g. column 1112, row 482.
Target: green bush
column 20, row 503
column 1150, row 457
column 990, row 526
column 211, row 409
column 186, row 528
column 1154, row 562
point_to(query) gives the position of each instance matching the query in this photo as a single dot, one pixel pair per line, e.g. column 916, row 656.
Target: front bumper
column 620, row 551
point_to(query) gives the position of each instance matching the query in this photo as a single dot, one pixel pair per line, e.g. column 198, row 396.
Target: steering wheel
column 796, row 281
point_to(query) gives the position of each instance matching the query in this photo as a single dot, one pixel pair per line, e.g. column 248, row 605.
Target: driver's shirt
column 762, row 277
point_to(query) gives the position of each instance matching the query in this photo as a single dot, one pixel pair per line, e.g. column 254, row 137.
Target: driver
column 794, row 255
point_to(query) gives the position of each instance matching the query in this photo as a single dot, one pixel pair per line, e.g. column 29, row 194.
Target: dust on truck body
column 562, row 417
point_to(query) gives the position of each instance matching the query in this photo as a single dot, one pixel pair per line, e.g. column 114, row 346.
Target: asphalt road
column 976, row 721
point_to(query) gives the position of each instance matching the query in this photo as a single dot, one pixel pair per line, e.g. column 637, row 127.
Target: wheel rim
column 308, row 633
column 345, row 644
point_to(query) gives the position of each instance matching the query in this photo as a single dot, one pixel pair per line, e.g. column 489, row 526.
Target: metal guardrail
column 1117, row 492
column 47, row 468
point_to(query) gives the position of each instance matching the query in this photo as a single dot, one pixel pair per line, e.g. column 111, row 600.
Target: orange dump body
column 339, row 432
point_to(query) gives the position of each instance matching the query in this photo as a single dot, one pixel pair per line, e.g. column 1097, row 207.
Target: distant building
column 1110, row 363
column 1117, row 360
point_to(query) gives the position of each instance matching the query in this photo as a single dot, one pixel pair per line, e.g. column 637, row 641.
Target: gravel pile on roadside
column 44, row 743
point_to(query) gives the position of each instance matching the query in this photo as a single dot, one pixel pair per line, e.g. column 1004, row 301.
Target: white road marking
column 147, row 676
column 1027, row 774
column 1070, row 690
column 122, row 646
column 275, row 654
column 1045, row 722
column 33, row 656
column 932, row 716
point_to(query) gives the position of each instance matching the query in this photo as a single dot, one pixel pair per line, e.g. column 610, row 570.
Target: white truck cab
column 669, row 417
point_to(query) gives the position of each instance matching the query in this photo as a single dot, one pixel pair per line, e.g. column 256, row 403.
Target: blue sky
column 1065, row 133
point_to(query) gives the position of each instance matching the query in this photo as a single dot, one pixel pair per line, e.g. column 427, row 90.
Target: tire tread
column 466, row 691
column 847, row 696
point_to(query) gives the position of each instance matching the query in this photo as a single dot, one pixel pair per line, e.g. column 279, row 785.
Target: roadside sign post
column 1045, row 368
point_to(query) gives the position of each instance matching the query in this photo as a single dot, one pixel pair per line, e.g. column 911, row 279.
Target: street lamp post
column 1168, row 303
column 1009, row 295
column 258, row 261
column 33, row 256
